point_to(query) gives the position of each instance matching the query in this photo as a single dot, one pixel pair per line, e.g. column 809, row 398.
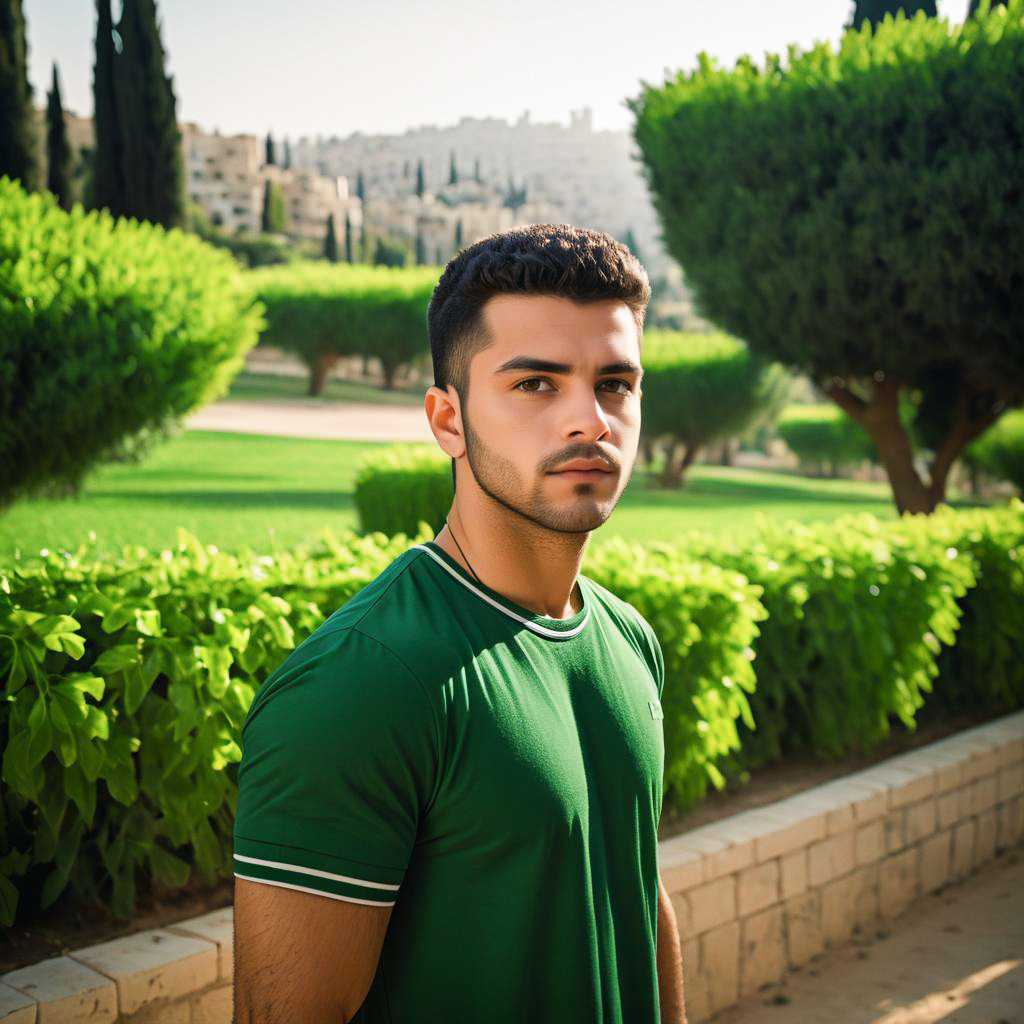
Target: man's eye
column 544, row 380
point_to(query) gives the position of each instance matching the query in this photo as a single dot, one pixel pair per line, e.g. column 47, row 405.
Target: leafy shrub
column 127, row 682
column 824, row 434
column 111, row 332
column 401, row 486
column 699, row 388
column 999, row 452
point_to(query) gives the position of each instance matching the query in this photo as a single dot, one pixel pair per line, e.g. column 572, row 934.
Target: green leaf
column 166, row 868
column 117, row 659
column 8, row 902
column 136, row 688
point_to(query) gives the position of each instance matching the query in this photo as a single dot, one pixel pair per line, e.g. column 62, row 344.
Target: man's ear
column 444, row 414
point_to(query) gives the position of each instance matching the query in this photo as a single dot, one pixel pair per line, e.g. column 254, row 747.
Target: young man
column 449, row 794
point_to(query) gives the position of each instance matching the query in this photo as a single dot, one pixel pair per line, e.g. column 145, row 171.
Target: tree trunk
column 880, row 418
column 389, row 376
column 725, row 457
column 672, row 474
column 319, row 372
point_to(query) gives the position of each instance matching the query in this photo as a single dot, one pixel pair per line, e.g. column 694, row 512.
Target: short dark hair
column 539, row 259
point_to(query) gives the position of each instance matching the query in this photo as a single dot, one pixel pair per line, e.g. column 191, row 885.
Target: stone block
column 712, row 904
column 681, row 866
column 916, row 786
column 1010, row 782
column 762, row 950
column 894, row 830
column 963, row 849
column 947, row 809
column 175, row 1011
column 213, row 1007
column 720, row 964
column 838, row 910
column 873, row 801
column 66, row 991
column 800, row 828
column 898, row 881
column 802, row 921
column 152, row 965
column 793, row 874
column 984, row 794
column 1009, row 823
column 936, row 857
column 869, row 843
column 865, row 896
column 920, row 821
column 218, row 927
column 831, row 858
column 695, row 989
column 16, row 1007
column 985, row 838
column 758, row 887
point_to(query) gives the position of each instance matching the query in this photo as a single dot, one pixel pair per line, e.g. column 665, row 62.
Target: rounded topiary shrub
column 999, row 452
column 402, row 486
column 824, row 435
column 110, row 332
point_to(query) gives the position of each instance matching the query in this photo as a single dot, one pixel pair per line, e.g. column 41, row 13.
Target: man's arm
column 302, row 957
column 670, row 961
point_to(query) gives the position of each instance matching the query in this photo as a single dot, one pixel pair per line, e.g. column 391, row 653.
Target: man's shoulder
column 621, row 610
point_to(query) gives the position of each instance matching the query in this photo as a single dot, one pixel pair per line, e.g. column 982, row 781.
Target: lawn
column 236, row 489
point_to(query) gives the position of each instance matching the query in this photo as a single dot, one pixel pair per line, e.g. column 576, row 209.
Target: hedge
column 824, row 434
column 127, row 680
column 111, row 333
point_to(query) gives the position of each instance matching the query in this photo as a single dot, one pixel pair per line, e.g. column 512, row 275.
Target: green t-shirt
column 492, row 774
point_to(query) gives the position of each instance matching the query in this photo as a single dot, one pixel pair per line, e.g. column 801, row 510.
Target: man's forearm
column 670, row 962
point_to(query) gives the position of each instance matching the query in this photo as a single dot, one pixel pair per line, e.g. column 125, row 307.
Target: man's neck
column 533, row 568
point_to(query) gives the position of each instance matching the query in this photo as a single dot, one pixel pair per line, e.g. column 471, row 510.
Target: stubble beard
column 497, row 477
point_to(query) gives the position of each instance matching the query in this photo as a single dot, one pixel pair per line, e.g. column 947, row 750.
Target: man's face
column 528, row 421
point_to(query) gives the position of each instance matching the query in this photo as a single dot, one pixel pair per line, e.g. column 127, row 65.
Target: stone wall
column 754, row 894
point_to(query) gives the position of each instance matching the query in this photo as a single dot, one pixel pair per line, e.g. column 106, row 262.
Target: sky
column 333, row 67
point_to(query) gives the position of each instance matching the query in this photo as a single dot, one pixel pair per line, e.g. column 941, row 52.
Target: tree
column 287, row 164
column 269, row 157
column 331, row 241
column 976, row 4
column 629, row 241
column 17, row 116
column 419, row 178
column 458, row 234
column 150, row 142
column 453, row 171
column 58, row 151
column 476, row 171
column 348, row 239
column 873, row 11
column 360, row 187
column 879, row 253
column 272, row 217
column 421, row 249
column 107, row 173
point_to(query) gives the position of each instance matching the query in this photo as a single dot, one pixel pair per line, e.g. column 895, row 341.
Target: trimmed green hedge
column 824, row 434
column 999, row 452
column 126, row 680
column 110, row 333
column 405, row 484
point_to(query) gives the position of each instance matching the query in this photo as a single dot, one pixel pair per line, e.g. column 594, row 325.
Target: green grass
column 262, row 387
column 236, row 489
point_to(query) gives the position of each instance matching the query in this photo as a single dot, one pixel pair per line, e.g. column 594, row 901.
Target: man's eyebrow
column 546, row 366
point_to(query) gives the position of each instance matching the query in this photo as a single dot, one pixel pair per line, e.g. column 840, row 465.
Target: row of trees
column 137, row 166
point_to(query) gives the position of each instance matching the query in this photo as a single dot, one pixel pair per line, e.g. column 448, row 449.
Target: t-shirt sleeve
column 339, row 759
column 659, row 659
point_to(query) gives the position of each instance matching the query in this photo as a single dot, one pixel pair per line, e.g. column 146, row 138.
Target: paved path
column 332, row 421
column 957, row 957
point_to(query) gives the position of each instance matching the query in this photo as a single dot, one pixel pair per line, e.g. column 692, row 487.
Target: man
column 449, row 794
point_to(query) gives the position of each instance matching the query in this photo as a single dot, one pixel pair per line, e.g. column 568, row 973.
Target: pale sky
column 332, row 67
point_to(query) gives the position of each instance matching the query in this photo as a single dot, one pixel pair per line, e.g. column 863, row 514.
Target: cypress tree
column 348, row 238
column 17, row 115
column 419, row 179
column 272, row 217
column 360, row 187
column 476, row 171
column 453, row 172
column 153, row 168
column 421, row 249
column 331, row 241
column 458, row 234
column 107, row 180
column 58, row 151
column 287, row 155
column 873, row 11
column 270, row 158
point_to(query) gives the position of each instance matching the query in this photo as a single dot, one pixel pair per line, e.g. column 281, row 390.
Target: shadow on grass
column 282, row 498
